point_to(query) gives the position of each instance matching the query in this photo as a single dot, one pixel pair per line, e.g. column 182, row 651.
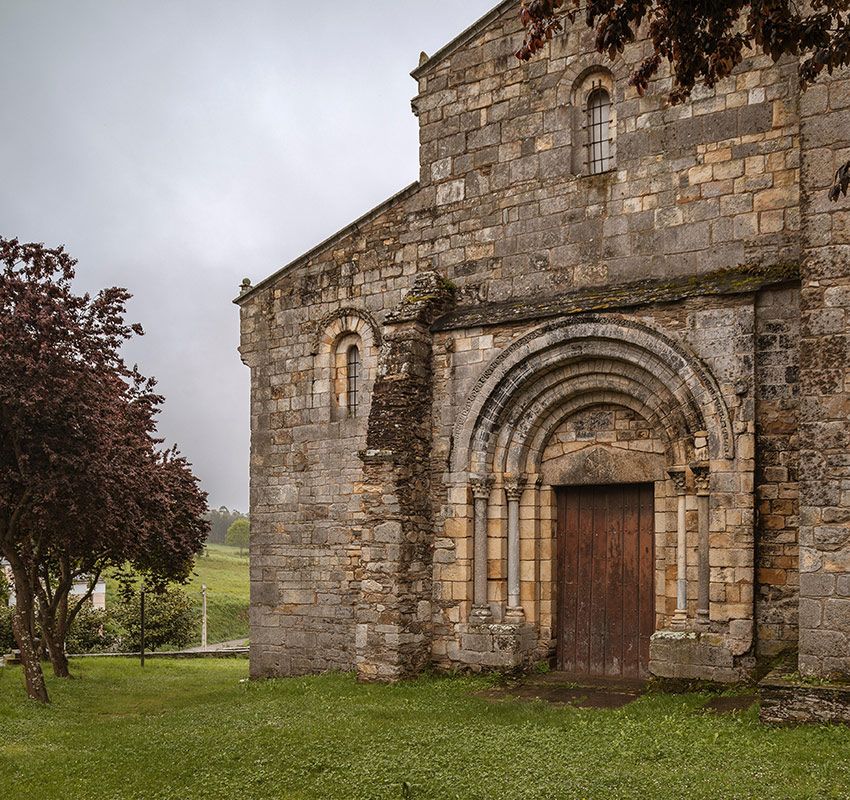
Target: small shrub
column 170, row 619
column 93, row 631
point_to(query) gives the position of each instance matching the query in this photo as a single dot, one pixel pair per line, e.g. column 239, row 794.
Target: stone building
column 580, row 393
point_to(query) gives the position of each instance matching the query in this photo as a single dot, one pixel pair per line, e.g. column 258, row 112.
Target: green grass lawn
column 196, row 730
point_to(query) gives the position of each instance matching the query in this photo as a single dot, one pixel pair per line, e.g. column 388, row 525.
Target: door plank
column 568, row 557
column 632, row 585
column 647, row 573
column 599, row 581
column 614, row 588
column 584, row 573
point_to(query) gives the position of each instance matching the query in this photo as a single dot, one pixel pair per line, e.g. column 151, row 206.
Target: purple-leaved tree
column 85, row 484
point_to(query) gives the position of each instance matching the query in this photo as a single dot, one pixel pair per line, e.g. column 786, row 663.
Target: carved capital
column 702, row 477
column 701, row 445
column 481, row 486
column 515, row 486
column 677, row 475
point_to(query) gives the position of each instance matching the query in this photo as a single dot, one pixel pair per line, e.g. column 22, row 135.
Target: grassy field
column 225, row 574
column 198, row 730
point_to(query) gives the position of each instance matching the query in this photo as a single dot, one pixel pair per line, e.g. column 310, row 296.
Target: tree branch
column 72, row 614
column 842, row 182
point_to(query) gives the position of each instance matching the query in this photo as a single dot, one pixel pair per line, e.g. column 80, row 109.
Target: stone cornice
column 737, row 280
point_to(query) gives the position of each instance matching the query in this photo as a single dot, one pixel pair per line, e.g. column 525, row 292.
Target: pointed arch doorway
column 606, row 575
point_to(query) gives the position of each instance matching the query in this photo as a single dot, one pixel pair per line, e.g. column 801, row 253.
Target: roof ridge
column 462, row 38
column 334, row 237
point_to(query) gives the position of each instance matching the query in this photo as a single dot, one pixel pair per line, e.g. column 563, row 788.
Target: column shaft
column 481, row 493
column 702, row 479
column 680, row 618
column 513, row 552
column 514, row 485
column 704, row 563
column 682, row 560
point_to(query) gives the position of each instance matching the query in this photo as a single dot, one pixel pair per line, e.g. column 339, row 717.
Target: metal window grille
column 353, row 379
column 599, row 121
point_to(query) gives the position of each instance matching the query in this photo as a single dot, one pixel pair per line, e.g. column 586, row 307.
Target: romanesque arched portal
column 585, row 407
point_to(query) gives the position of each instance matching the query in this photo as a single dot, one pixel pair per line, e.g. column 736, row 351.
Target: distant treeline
column 220, row 520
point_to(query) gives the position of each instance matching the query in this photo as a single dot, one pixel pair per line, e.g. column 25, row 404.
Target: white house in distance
column 98, row 598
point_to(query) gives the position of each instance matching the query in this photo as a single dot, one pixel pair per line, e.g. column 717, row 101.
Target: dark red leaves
column 540, row 17
column 703, row 40
column 84, row 483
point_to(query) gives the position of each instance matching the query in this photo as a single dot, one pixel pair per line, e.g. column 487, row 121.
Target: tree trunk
column 23, row 627
column 56, row 620
column 56, row 651
column 53, row 624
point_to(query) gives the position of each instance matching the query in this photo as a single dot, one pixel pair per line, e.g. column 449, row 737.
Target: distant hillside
column 225, row 574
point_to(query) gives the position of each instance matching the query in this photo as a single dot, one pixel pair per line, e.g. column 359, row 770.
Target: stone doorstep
column 793, row 701
column 597, row 682
column 562, row 688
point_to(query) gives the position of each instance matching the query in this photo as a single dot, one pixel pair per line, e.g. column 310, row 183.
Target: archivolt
column 581, row 361
column 342, row 321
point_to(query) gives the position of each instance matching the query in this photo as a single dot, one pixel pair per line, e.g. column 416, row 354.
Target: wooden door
column 606, row 593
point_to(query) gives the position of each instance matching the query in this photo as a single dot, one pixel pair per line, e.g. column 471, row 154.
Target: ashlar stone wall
column 306, row 475
column 777, row 468
column 706, row 185
column 825, row 388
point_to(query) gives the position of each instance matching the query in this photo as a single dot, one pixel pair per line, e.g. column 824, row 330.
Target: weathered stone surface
column 695, row 655
column 789, row 701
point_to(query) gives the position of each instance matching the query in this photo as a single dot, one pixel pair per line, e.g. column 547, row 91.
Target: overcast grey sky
column 176, row 146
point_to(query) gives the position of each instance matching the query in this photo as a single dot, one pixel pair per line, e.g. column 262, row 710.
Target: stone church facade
column 581, row 393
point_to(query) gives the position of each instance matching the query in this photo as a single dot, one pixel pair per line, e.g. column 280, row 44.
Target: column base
column 496, row 646
column 680, row 620
column 515, row 615
column 696, row 655
column 481, row 615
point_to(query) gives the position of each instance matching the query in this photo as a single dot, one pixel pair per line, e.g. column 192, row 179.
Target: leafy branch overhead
column 703, row 41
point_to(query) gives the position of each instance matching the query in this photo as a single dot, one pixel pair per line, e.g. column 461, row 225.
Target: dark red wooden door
column 606, row 593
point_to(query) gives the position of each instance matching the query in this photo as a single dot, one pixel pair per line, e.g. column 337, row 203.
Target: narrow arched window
column 599, row 126
column 353, row 379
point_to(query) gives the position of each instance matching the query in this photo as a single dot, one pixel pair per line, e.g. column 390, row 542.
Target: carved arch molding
column 567, row 365
column 342, row 321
